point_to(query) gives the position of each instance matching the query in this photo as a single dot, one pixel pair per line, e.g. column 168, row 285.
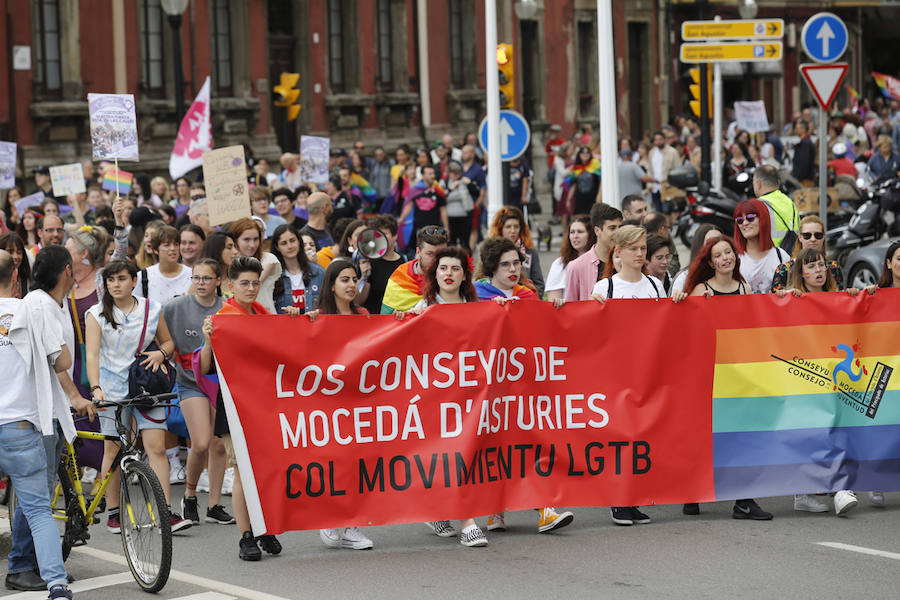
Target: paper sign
column 113, row 126
column 7, row 165
column 67, row 179
column 35, row 199
column 314, row 158
column 117, row 181
column 751, row 116
column 225, row 176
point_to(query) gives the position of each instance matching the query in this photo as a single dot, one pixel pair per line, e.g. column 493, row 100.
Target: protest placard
column 35, row 199
column 7, row 165
column 314, row 158
column 113, row 126
column 225, row 177
column 751, row 116
column 67, row 179
column 117, row 180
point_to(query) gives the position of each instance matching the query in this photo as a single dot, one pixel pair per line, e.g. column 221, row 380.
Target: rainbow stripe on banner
column 117, row 180
column 806, row 408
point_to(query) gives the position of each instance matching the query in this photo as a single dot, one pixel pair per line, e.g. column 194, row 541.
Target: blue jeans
column 23, row 456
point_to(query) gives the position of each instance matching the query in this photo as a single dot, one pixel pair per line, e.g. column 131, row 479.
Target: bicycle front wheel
column 146, row 528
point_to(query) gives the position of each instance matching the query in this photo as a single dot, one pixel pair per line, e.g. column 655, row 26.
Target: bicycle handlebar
column 154, row 400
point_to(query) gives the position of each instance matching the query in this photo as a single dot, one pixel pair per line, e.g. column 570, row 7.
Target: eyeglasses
column 514, row 264
column 202, row 278
column 806, row 235
column 749, row 217
column 816, row 266
column 249, row 284
column 433, row 230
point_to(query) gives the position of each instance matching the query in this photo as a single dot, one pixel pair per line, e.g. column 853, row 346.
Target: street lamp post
column 174, row 9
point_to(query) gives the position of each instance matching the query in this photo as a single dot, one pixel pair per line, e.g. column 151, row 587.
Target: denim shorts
column 146, row 419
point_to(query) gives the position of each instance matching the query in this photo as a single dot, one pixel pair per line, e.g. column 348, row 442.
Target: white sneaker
column 228, row 481
column 354, row 539
column 474, row 539
column 88, row 475
column 176, row 473
column 809, row 503
column 876, row 499
column 203, row 482
column 331, row 537
column 844, row 502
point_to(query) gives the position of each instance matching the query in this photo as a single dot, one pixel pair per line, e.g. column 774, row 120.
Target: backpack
column 609, row 287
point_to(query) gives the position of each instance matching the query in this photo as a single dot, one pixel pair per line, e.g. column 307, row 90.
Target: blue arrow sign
column 515, row 135
column 824, row 37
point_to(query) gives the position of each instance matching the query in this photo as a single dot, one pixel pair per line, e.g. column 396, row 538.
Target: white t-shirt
column 656, row 163
column 298, row 290
column 556, row 278
column 17, row 394
column 163, row 289
column 627, row 290
column 759, row 274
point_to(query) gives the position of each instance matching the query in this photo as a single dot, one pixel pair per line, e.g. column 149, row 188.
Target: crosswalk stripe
column 81, row 586
column 861, row 550
column 211, row 584
column 206, row 596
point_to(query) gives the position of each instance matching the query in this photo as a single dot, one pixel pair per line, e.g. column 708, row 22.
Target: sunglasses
column 806, row 235
column 749, row 217
column 434, row 230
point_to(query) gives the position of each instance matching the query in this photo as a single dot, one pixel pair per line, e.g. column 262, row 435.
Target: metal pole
column 494, row 164
column 823, row 166
column 717, row 126
column 175, row 22
column 606, row 83
column 704, row 123
column 424, row 79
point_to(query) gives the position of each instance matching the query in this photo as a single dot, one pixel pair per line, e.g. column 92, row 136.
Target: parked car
column 865, row 264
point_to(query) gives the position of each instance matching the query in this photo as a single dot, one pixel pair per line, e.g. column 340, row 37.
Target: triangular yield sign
column 824, row 80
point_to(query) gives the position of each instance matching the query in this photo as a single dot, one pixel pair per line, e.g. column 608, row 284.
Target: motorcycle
column 868, row 224
column 705, row 205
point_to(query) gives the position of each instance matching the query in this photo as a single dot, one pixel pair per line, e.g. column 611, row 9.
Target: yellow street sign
column 759, row 29
column 731, row 52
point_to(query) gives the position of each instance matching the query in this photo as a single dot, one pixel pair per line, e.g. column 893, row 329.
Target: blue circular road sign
column 515, row 135
column 824, row 37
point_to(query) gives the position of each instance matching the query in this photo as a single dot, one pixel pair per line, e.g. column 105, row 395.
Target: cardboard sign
column 225, row 177
column 314, row 152
column 113, row 126
column 751, row 116
column 7, row 165
column 67, row 179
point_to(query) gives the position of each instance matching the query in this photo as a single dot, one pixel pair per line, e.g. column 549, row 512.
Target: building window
column 456, row 43
column 152, row 66
column 336, row 45
column 461, row 19
column 587, row 69
column 47, row 69
column 385, row 52
column 221, row 47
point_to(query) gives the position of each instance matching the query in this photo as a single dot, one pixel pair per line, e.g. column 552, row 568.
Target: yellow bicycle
column 144, row 516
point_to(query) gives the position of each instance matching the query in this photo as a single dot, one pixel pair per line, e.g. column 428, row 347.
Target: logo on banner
column 846, row 378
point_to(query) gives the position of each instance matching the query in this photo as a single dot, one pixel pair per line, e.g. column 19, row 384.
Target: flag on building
column 194, row 136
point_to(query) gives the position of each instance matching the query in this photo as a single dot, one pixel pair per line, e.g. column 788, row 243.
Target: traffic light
column 695, row 89
column 286, row 94
column 507, row 76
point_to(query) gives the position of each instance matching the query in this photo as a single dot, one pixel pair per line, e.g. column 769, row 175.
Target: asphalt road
column 707, row 556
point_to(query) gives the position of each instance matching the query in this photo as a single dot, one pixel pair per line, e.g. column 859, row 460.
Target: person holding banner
column 812, row 235
column 510, row 223
column 248, row 235
column 244, row 283
column 500, row 267
column 890, row 275
column 301, row 280
column 405, row 287
column 753, row 238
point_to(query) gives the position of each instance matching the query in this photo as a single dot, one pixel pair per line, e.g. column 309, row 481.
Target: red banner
column 473, row 409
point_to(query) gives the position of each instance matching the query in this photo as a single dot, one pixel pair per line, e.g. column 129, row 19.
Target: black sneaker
column 269, row 543
column 749, row 509
column 639, row 517
column 60, row 592
column 621, row 515
column 189, row 508
column 247, row 548
column 691, row 508
column 217, row 514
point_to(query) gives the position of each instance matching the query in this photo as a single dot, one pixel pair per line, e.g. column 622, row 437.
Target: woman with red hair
column 716, row 271
column 753, row 238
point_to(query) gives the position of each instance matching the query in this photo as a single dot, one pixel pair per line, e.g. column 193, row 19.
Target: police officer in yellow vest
column 782, row 210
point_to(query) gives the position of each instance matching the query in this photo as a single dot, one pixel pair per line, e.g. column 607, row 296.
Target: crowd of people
column 87, row 279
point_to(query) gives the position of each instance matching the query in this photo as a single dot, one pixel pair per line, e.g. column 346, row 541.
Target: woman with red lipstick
column 716, row 271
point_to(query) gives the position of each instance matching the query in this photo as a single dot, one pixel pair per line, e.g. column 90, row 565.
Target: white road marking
column 80, row 586
column 207, row 596
column 861, row 550
column 212, row 584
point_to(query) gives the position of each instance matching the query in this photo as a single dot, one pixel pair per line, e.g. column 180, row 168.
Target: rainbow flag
column 577, row 170
column 890, row 86
column 366, row 193
column 854, row 98
column 810, row 408
column 403, row 290
column 117, row 180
